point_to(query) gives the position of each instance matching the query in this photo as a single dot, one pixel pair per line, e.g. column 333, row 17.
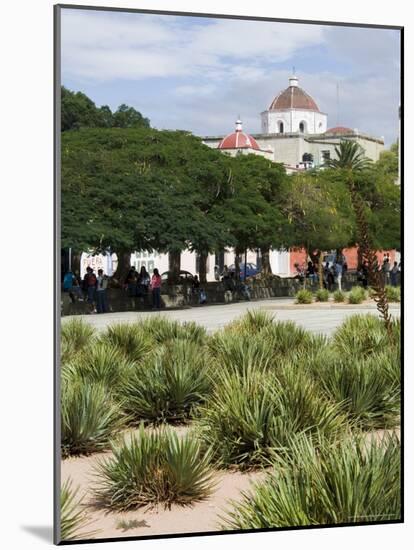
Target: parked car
column 251, row 270
column 185, row 276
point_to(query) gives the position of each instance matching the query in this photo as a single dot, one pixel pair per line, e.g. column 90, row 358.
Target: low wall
column 180, row 296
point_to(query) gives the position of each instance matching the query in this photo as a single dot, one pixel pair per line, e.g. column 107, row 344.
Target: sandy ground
column 200, row 517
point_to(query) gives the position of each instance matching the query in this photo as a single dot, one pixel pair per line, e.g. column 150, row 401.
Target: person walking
column 156, row 289
column 338, row 273
column 131, row 282
column 68, row 282
column 101, row 294
column 143, row 282
column 90, row 282
column 394, row 274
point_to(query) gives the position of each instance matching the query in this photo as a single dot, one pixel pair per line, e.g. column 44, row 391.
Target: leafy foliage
column 347, row 481
column 250, row 416
column 75, row 337
column 131, row 340
column 78, row 111
column 339, row 296
column 155, row 467
column 393, row 293
column 72, row 517
column 89, row 418
column 357, row 295
column 304, row 296
column 322, row 295
column 169, row 385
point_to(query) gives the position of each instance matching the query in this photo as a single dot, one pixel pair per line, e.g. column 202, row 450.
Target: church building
column 294, row 132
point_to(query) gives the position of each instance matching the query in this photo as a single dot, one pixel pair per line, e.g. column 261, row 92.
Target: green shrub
column 304, row 296
column 251, row 323
column 156, row 467
column 168, row 385
column 251, row 416
column 289, row 340
column 357, row 295
column 161, row 330
column 237, row 351
column 129, row 339
column 361, row 335
column 75, row 337
column 393, row 293
column 368, row 390
column 339, row 296
column 350, row 481
column 103, row 364
column 322, row 295
column 72, row 517
column 89, row 418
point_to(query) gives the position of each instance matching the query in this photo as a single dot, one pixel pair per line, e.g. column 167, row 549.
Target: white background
column 26, row 299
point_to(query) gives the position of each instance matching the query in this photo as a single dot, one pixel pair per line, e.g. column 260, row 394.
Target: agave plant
column 129, row 339
column 339, row 296
column 238, row 351
column 251, row 415
column 357, row 295
column 367, row 389
column 73, row 518
column 169, row 385
column 103, row 364
column 89, row 417
column 304, row 296
column 76, row 335
column 322, row 295
column 156, row 467
column 289, row 339
column 162, row 330
column 347, row 481
column 361, row 335
column 251, row 323
column 393, row 293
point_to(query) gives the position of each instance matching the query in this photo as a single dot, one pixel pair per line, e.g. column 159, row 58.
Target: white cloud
column 102, row 46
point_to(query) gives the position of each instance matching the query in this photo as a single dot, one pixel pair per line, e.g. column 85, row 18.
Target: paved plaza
column 319, row 318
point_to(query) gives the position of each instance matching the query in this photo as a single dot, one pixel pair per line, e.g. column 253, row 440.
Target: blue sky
column 199, row 74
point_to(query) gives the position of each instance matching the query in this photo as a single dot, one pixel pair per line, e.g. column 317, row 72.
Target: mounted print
column 228, row 274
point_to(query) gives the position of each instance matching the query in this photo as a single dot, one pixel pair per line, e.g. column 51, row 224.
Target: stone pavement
column 318, row 318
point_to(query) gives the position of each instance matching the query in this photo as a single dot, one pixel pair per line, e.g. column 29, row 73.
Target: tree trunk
column 266, row 267
column 76, row 262
column 174, row 266
column 237, row 253
column 124, row 265
column 202, row 269
column 320, row 270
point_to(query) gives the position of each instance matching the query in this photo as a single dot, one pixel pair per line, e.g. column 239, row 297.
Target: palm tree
column 350, row 156
column 351, row 159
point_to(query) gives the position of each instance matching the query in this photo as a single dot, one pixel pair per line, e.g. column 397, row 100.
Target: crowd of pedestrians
column 92, row 289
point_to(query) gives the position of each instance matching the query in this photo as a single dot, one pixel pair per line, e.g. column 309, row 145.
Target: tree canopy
column 79, row 111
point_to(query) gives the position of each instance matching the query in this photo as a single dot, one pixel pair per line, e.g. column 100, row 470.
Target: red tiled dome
column 293, row 98
column 238, row 140
column 340, row 130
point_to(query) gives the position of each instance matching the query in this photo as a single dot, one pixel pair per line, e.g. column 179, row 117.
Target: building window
column 302, row 127
column 307, row 157
column 280, row 127
column 326, row 155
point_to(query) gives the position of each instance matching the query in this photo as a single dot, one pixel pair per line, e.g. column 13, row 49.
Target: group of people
column 91, row 289
column 232, row 284
column 334, row 273
column 139, row 283
column 331, row 273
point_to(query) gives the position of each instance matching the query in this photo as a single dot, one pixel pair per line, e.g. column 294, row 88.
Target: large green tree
column 129, row 189
column 79, row 111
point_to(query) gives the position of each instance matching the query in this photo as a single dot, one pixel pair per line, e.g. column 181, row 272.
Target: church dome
column 340, row 130
column 238, row 139
column 293, row 98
